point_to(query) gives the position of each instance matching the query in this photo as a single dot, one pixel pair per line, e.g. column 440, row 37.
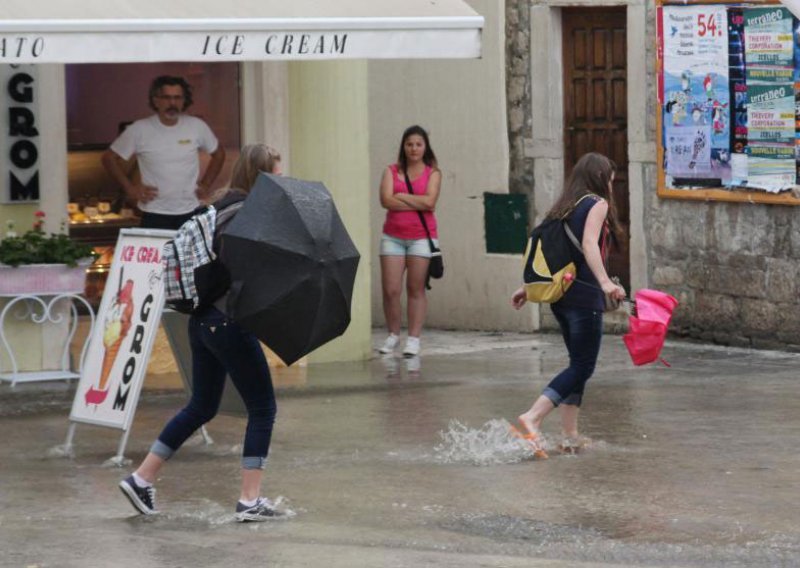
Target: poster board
column 122, row 339
column 728, row 82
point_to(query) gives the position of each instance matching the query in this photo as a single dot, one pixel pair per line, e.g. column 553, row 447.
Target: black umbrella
column 292, row 266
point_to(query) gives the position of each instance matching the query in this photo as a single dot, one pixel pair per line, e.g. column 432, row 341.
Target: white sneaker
column 390, row 343
column 412, row 347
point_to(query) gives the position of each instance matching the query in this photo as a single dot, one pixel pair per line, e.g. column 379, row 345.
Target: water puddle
column 209, row 514
column 529, row 536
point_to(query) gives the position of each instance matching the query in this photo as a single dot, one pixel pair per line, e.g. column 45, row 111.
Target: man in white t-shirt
column 166, row 147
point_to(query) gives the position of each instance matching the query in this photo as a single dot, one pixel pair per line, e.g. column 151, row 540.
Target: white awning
column 104, row 31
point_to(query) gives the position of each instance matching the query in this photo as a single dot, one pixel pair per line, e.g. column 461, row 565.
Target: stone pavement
column 396, row 462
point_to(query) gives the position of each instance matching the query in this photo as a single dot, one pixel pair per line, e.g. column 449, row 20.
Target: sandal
column 534, row 440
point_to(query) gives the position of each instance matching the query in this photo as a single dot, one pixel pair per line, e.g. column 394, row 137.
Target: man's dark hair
column 171, row 81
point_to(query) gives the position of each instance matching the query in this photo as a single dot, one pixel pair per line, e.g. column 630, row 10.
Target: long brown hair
column 591, row 175
column 254, row 158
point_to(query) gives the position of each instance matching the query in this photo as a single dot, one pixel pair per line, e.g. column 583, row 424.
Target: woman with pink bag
column 587, row 206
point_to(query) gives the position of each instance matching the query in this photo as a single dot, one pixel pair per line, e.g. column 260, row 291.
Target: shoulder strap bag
column 436, row 266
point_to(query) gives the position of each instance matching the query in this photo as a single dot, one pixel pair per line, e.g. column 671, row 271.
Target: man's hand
column 143, row 193
column 202, row 191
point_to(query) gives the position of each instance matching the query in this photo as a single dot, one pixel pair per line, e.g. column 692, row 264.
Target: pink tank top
column 406, row 224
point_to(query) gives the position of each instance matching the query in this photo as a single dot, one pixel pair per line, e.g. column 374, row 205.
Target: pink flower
column 40, row 214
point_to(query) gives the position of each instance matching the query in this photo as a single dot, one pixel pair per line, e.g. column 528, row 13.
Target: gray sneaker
column 263, row 510
column 142, row 498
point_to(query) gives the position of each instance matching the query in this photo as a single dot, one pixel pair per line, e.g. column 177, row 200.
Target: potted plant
column 40, row 263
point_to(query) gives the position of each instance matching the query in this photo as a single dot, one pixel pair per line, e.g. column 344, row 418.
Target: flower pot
column 39, row 279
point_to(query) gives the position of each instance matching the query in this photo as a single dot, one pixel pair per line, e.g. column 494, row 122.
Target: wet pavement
column 399, row 462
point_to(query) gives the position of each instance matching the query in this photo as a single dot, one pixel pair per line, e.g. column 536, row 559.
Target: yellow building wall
column 330, row 143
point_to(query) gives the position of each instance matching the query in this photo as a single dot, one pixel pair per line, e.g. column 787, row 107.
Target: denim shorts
column 392, row 246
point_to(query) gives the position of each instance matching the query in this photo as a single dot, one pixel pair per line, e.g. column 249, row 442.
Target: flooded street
column 409, row 463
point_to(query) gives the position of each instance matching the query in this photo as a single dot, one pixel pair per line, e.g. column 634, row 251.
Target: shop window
column 102, row 99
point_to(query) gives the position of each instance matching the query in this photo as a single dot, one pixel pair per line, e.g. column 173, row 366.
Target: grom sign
column 125, row 329
column 19, row 140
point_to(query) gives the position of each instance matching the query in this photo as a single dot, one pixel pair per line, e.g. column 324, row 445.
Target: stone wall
column 734, row 268
column 518, row 95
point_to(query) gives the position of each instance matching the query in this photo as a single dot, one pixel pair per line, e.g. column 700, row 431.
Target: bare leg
column 150, row 466
column 251, row 484
column 392, row 268
column 415, row 290
column 537, row 413
column 569, row 420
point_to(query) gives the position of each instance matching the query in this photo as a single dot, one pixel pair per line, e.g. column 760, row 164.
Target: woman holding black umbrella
column 409, row 192
column 221, row 347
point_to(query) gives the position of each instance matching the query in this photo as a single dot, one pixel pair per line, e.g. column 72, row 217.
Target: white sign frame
column 135, row 261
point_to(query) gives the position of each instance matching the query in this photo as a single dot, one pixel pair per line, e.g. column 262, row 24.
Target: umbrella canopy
column 292, row 266
column 648, row 329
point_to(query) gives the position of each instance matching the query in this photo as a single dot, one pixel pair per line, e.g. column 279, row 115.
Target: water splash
column 61, row 451
column 491, row 444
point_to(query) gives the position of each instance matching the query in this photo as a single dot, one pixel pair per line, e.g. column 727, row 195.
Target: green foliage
column 35, row 247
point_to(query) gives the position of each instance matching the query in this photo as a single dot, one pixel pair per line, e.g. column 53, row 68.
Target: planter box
column 39, row 279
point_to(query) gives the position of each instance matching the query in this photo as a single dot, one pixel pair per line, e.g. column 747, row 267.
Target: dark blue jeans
column 582, row 330
column 220, row 347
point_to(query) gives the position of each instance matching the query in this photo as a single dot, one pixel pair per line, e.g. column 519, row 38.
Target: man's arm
column 211, row 173
column 137, row 192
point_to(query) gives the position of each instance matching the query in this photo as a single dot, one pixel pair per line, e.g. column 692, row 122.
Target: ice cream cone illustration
column 117, row 324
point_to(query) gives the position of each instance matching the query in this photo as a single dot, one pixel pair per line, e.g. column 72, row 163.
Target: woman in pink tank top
column 405, row 249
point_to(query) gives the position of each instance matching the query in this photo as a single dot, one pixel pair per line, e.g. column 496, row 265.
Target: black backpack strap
column 421, row 216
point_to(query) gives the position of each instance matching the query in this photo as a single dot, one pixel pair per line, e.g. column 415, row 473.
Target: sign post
column 122, row 339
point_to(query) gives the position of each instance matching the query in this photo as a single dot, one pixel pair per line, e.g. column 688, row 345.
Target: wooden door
column 596, row 105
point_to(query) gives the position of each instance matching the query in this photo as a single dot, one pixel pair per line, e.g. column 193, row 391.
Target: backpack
column 194, row 276
column 550, row 266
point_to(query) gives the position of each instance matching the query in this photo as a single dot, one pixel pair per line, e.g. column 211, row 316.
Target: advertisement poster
column 689, row 151
column 738, row 96
column 771, row 110
column 796, row 34
column 769, row 45
column 771, row 114
column 771, row 168
column 696, row 94
column 124, row 330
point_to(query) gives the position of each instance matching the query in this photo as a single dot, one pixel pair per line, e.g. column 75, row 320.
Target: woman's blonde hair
column 254, row 158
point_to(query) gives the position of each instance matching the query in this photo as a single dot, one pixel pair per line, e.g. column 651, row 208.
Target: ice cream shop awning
column 98, row 31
